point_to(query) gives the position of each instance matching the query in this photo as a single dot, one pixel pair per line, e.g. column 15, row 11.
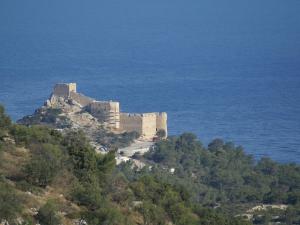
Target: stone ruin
column 108, row 112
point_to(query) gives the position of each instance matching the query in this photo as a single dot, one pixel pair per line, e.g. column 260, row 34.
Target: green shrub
column 48, row 214
column 5, row 122
column 10, row 205
column 107, row 214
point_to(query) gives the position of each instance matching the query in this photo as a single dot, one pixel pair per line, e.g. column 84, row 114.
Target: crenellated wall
column 108, row 112
column 147, row 124
column 131, row 122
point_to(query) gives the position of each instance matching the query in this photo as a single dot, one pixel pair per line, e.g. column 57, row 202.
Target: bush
column 47, row 215
column 5, row 122
column 34, row 135
column 106, row 215
column 10, row 205
column 161, row 133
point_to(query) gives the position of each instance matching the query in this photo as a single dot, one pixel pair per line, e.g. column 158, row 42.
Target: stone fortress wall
column 108, row 112
column 147, row 124
column 81, row 99
column 131, row 122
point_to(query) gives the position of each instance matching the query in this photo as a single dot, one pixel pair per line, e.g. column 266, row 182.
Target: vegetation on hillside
column 48, row 177
column 47, row 116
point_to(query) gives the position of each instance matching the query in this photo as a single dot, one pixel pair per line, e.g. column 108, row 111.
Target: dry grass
column 12, row 161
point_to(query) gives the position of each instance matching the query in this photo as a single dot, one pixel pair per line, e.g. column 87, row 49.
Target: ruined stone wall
column 131, row 122
column 162, row 122
column 81, row 99
column 106, row 112
column 64, row 90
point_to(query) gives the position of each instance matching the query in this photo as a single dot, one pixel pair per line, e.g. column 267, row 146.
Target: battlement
column 140, row 115
column 108, row 112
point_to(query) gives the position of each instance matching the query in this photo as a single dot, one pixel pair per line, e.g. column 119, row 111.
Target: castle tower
column 64, row 89
column 161, row 122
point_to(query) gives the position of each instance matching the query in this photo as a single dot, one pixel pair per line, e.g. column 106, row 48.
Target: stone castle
column 108, row 113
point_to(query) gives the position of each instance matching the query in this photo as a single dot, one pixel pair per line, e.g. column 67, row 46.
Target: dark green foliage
column 44, row 165
column 161, row 199
column 113, row 141
column 87, row 194
column 161, row 134
column 211, row 217
column 5, row 123
column 225, row 170
column 107, row 214
column 221, row 177
column 91, row 169
column 10, row 205
column 34, row 135
column 292, row 215
column 81, row 155
column 152, row 214
column 48, row 214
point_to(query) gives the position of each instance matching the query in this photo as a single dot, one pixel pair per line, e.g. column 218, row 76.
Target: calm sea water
column 227, row 69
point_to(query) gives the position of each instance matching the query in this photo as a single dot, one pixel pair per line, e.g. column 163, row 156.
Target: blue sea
column 226, row 69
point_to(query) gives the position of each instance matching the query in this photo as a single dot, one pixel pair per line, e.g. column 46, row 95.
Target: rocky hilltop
column 101, row 121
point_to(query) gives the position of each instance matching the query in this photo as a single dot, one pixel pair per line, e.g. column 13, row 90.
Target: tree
column 161, row 133
column 216, row 145
column 44, row 165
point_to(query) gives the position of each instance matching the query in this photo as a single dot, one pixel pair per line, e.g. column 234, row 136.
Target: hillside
column 53, row 177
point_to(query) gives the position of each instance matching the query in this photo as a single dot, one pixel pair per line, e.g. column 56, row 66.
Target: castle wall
column 146, row 124
column 131, row 122
column 81, row 99
column 108, row 112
